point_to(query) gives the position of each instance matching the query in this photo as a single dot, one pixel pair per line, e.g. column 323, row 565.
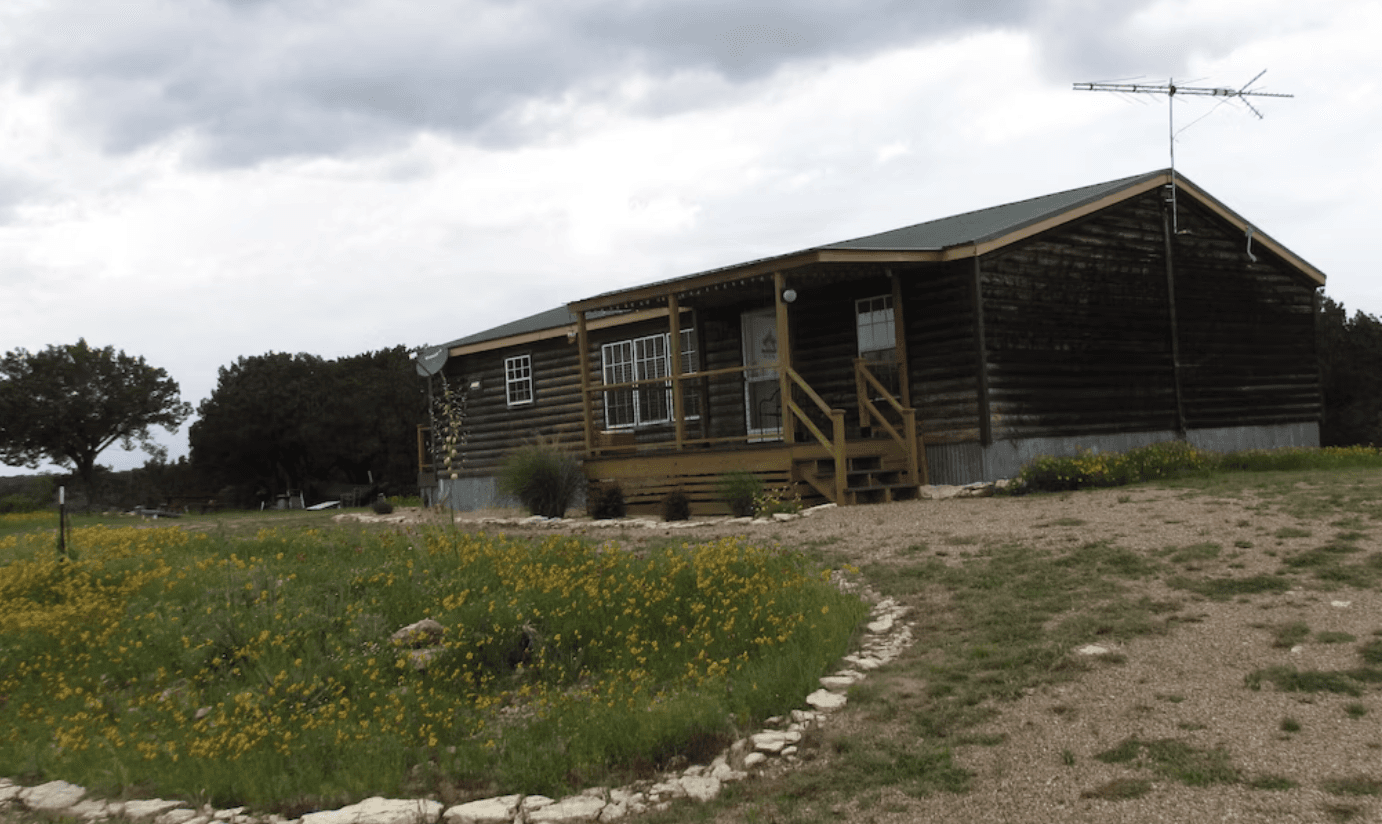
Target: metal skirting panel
column 955, row 463
column 468, row 494
column 471, row 494
column 1239, row 438
column 963, row 463
column 1005, row 458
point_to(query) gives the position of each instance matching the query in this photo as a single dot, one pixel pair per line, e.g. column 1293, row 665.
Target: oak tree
column 68, row 403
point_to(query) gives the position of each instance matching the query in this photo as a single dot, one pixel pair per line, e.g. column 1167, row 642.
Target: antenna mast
column 1171, row 90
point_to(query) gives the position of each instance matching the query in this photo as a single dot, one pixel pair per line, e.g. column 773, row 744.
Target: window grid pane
column 646, row 358
column 518, row 380
column 619, row 403
column 875, row 321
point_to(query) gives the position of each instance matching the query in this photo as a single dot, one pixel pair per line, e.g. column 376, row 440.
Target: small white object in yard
column 1341, row 604
column 1092, row 649
column 324, row 505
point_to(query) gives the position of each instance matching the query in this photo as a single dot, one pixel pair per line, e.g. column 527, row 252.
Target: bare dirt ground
column 1186, row 685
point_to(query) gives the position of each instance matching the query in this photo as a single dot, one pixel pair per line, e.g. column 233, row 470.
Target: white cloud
column 345, row 176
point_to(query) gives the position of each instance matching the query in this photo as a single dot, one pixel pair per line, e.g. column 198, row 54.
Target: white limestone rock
column 837, row 683
column 826, row 701
column 55, row 795
column 701, row 789
column 181, row 815
column 501, row 810
column 150, row 808
column 378, row 810
column 424, row 633
column 91, row 809
column 664, row 790
column 753, row 759
column 575, row 808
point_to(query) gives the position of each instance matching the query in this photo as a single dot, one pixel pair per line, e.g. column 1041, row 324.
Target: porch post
column 904, row 391
column 981, row 355
column 583, row 365
column 674, row 345
column 784, row 361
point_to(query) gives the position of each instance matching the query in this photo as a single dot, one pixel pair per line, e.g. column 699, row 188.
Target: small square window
column 518, row 380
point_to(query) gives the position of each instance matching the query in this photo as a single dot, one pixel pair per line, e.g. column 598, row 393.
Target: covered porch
column 798, row 376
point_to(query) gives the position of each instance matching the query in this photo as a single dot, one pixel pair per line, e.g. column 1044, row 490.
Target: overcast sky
column 197, row 180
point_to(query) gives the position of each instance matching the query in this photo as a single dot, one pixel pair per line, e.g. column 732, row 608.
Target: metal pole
column 62, row 522
column 1171, row 133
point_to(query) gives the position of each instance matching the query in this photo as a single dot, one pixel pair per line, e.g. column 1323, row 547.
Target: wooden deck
column 876, row 470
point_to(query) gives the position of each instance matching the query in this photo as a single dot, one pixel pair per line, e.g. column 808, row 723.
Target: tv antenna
column 1170, row 89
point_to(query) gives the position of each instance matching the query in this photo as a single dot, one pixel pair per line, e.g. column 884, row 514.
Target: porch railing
column 835, row 443
column 864, row 380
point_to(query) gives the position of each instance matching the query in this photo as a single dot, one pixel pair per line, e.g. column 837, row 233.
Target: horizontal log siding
column 493, row 428
column 942, row 360
column 825, row 340
column 1078, row 328
column 1247, row 343
column 721, row 348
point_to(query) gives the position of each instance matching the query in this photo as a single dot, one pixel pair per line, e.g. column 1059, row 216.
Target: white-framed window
column 518, row 380
column 646, row 358
column 877, row 333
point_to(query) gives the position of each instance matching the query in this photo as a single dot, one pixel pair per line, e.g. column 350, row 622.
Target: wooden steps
column 869, row 478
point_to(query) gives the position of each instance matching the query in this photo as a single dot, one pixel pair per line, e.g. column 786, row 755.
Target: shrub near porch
column 260, row 671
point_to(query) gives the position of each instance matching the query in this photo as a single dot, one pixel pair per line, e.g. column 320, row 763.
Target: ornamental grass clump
column 605, row 501
column 543, row 477
column 260, row 671
column 740, row 490
column 676, row 506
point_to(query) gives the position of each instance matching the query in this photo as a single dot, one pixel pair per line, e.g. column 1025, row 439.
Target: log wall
column 1247, row 329
column 942, row 356
column 1079, row 332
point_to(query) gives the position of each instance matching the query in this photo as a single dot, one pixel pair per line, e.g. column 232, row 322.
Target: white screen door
column 762, row 404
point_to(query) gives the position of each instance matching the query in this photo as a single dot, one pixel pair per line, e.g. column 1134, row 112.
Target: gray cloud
column 249, row 80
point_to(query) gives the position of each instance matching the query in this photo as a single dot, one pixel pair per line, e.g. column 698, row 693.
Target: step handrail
column 834, row 444
column 868, row 412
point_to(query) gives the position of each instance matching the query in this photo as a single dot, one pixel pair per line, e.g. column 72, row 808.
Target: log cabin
column 953, row 351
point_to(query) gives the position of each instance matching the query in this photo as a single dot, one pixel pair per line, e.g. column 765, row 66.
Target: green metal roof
column 987, row 224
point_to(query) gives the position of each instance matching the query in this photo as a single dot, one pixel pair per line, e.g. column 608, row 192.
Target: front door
column 762, row 401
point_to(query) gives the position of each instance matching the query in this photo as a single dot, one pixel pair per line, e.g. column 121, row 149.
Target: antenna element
column 1171, row 90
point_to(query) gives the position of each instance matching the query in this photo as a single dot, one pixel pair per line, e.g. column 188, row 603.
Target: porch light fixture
column 789, row 295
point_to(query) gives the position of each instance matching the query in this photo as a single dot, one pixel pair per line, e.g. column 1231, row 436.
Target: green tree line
column 277, row 422
column 274, row 422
